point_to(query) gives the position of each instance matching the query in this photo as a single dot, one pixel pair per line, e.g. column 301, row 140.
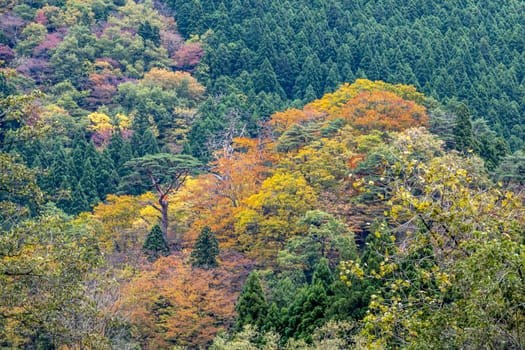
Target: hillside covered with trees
column 281, row 54
column 268, row 175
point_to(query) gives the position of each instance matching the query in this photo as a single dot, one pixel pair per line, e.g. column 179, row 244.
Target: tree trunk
column 164, row 219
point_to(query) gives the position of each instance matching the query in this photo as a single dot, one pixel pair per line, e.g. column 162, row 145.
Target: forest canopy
column 268, row 175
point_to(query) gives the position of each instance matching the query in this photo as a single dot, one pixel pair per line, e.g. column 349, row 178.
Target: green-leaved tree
column 251, row 305
column 205, row 250
column 155, row 245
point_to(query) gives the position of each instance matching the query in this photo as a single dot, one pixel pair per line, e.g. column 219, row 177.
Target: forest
column 187, row 174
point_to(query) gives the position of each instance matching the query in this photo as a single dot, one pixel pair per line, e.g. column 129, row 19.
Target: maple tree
column 171, row 40
column 103, row 88
column 6, row 53
column 51, row 41
column 40, row 70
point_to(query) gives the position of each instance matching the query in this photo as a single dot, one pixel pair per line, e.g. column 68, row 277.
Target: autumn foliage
column 188, row 55
column 174, row 304
column 332, row 102
column 136, row 198
column 182, row 82
column 382, row 110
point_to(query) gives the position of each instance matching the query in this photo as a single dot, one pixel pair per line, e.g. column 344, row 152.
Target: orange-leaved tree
column 173, row 304
column 281, row 121
column 237, row 173
column 183, row 83
column 382, row 110
column 332, row 103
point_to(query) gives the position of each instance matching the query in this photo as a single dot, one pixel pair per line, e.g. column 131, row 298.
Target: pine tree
column 293, row 139
column 205, row 250
column 155, row 245
column 149, row 32
column 251, row 305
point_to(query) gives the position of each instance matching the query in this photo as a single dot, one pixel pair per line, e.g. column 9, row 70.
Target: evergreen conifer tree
column 251, row 305
column 266, row 80
column 125, row 154
column 105, row 176
column 308, row 310
column 463, row 137
column 88, row 183
column 148, row 143
column 205, row 250
column 92, row 154
column 78, row 156
column 274, row 319
column 58, row 176
column 149, row 32
column 155, row 245
column 77, row 203
column 114, row 148
column 333, row 79
column 309, row 94
column 323, row 274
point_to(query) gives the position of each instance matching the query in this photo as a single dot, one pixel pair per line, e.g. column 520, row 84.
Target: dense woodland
column 264, row 175
column 286, row 53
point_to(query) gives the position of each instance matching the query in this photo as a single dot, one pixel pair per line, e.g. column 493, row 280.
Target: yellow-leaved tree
column 448, row 261
column 272, row 215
